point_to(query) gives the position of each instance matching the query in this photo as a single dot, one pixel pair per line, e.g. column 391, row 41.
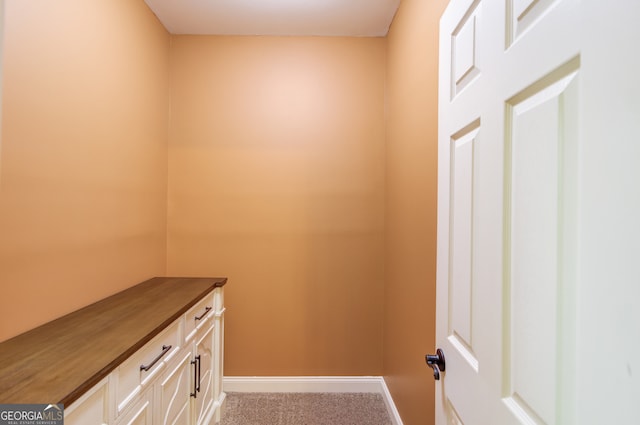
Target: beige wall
column 276, row 180
column 83, row 161
column 410, row 214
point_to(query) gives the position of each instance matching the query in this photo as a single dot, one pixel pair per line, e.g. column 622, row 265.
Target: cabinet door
column 91, row 408
column 203, row 399
column 173, row 392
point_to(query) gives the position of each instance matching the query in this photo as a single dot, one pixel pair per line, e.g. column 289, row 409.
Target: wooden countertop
column 60, row 360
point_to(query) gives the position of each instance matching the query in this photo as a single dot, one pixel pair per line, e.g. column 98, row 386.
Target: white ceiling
column 361, row 18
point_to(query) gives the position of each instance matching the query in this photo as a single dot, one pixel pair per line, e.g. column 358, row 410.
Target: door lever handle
column 436, row 362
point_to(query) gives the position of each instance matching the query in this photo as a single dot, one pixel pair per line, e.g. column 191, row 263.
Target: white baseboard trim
column 314, row 384
column 303, row 384
column 391, row 406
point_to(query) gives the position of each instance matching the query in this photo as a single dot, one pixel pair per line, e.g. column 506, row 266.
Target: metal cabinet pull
column 206, row 311
column 199, row 368
column 165, row 350
column 196, row 376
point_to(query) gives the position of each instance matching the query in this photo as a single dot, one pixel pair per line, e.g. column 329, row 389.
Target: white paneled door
column 538, row 284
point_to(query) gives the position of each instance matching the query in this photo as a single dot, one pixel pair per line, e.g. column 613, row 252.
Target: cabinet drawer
column 135, row 372
column 198, row 315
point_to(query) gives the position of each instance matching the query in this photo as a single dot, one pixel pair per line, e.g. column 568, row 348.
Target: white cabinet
column 174, row 379
column 173, row 392
column 200, row 330
column 91, row 408
column 203, row 388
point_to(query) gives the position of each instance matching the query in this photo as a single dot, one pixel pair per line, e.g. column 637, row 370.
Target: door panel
column 523, row 14
column 537, row 212
column 464, row 52
column 541, row 154
column 461, row 285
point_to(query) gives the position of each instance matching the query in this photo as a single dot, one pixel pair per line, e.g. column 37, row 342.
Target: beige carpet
column 305, row 409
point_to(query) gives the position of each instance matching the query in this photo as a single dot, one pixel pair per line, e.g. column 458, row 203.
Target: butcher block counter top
column 60, row 360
